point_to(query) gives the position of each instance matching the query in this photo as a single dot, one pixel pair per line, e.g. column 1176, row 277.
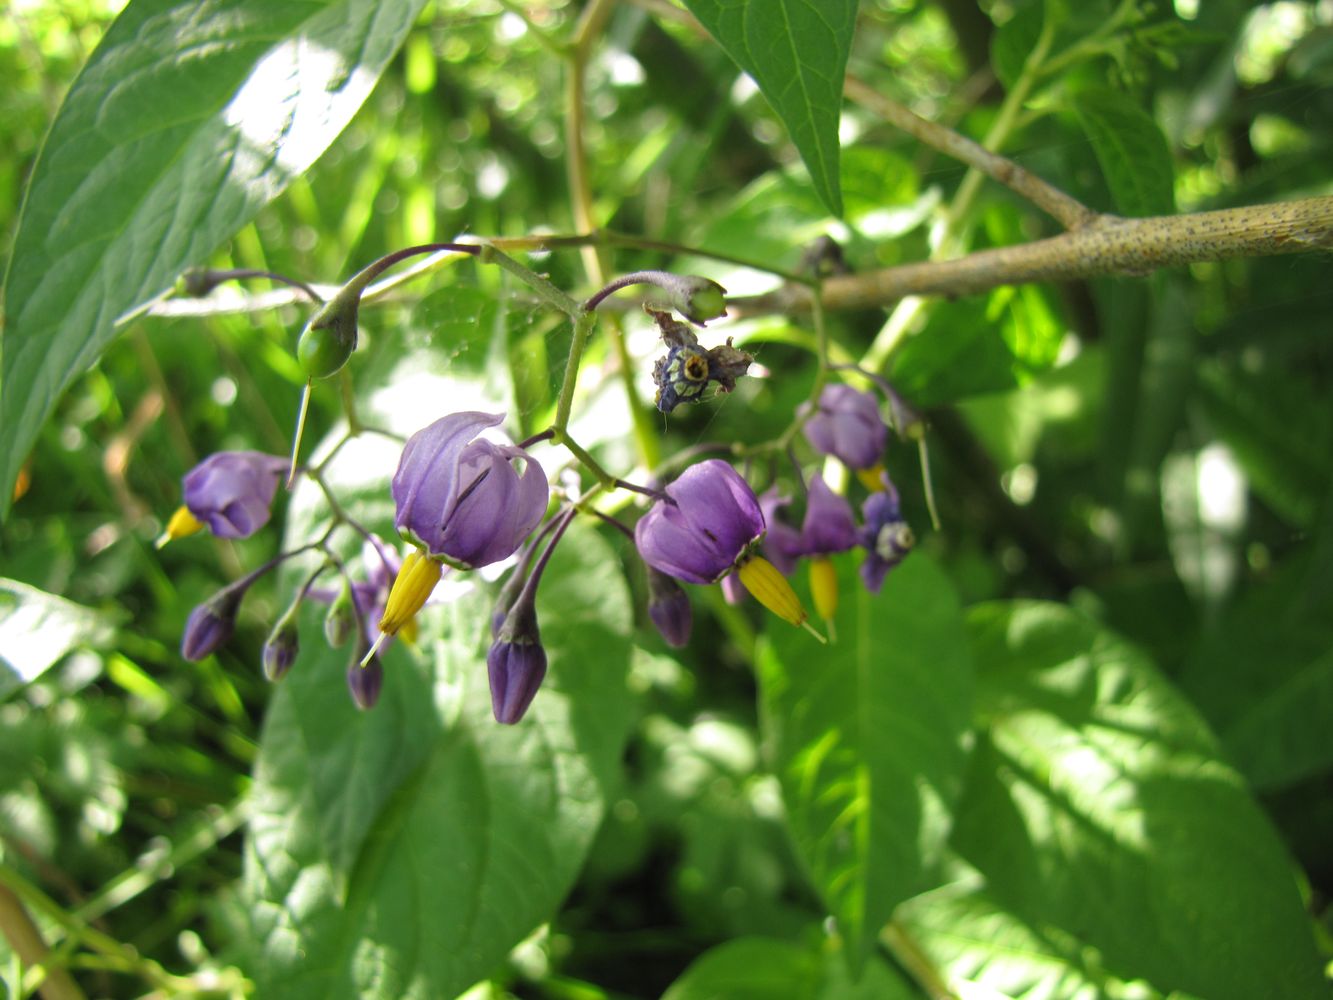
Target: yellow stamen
column 771, row 589
column 416, row 579
column 182, row 524
column 824, row 587
column 871, row 478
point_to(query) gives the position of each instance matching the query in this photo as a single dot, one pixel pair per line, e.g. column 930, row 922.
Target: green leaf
column 1131, row 149
column 867, row 738
column 404, row 851
column 1097, row 806
column 756, row 968
column 38, row 629
column 188, row 118
column 796, row 50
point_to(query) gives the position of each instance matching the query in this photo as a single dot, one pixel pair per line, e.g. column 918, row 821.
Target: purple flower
column 847, row 424
column 281, row 648
column 782, row 544
column 232, row 491
column 733, row 591
column 714, row 520
column 886, row 536
column 462, row 498
column 829, row 524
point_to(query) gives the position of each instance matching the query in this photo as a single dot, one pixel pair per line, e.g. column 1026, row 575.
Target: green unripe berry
column 704, row 300
column 320, row 352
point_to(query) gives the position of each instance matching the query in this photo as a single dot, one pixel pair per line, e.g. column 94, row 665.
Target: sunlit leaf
column 796, row 50
column 403, row 851
column 187, row 119
column 1098, row 805
column 868, row 739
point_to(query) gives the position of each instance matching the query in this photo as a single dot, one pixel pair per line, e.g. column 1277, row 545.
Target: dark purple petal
column 847, row 424
column 232, row 491
column 516, row 670
column 715, row 517
column 829, row 523
column 782, row 544
column 280, row 651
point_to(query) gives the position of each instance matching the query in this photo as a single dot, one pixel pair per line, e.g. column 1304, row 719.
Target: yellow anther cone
column 824, row 587
column 182, row 524
column 771, row 589
column 415, row 581
column 872, row 478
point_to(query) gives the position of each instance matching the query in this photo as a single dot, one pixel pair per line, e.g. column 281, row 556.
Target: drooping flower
column 709, row 526
column 281, row 647
column 847, row 424
column 365, row 680
column 462, row 498
column 700, row 537
column 462, row 501
column 887, row 538
column 230, row 492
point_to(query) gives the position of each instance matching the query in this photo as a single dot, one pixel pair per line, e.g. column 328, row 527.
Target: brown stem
column 28, row 943
column 1112, row 245
column 1067, row 210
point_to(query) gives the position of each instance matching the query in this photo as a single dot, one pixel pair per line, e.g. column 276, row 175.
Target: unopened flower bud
column 516, row 663
column 669, row 608
column 340, row 622
column 282, row 646
column 211, row 624
column 364, row 682
column 329, row 339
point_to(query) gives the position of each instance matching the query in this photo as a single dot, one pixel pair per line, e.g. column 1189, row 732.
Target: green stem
column 583, row 325
column 548, row 292
column 604, row 478
column 26, row 941
column 547, row 40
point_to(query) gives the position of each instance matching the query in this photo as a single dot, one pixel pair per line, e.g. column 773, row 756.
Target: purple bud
column 232, row 491
column 211, row 624
column 281, row 648
column 886, row 536
column 364, row 683
column 847, row 424
column 464, row 499
column 669, row 608
column 829, row 524
column 714, row 519
column 516, row 662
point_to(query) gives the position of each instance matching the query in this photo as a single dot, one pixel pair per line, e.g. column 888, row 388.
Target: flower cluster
column 463, row 501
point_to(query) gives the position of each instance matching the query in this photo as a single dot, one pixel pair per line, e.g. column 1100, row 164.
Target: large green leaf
column 187, row 119
column 868, row 740
column 1100, row 814
column 1131, row 149
column 402, row 852
column 38, row 629
column 796, row 50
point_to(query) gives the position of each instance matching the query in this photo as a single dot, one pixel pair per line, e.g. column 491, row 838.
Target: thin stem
column 548, row 292
column 545, row 435
column 583, row 325
column 358, row 282
column 200, row 283
column 607, row 480
column 1065, row 209
column 26, row 941
column 529, row 591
